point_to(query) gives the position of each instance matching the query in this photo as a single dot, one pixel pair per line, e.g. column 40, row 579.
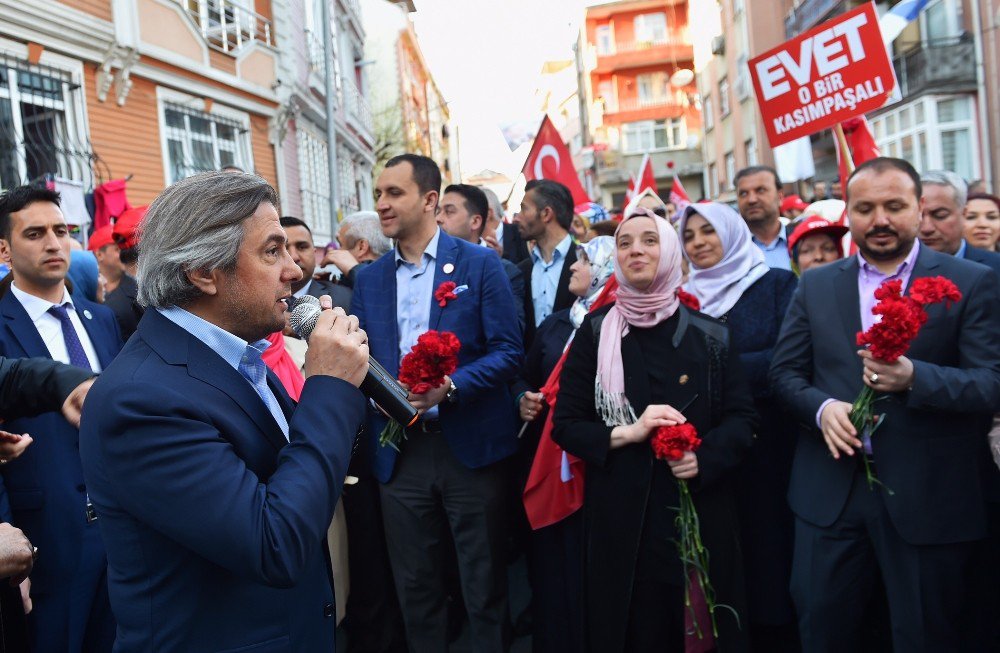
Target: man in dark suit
column 214, row 489
column 941, row 228
column 918, row 527
column 303, row 252
column 446, row 476
column 545, row 217
column 942, row 221
column 460, row 215
column 43, row 492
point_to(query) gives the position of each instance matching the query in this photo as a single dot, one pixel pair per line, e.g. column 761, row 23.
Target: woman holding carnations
column 729, row 277
column 643, row 363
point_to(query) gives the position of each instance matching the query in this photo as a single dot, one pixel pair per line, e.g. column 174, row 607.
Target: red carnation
column 670, row 442
column 890, row 338
column 445, row 293
column 932, row 290
column 688, row 300
column 433, row 357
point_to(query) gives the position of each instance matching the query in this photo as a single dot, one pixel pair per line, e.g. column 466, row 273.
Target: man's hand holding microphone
column 338, row 346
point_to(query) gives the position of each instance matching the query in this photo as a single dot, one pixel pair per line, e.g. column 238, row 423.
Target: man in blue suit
column 446, row 476
column 214, row 490
column 43, row 492
column 920, row 528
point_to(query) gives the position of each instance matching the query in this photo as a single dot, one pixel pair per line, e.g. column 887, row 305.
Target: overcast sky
column 486, row 56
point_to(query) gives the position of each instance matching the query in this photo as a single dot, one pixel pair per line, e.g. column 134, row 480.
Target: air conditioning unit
column 719, row 45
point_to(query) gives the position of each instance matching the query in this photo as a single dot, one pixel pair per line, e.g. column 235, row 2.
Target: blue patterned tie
column 77, row 356
column 254, row 370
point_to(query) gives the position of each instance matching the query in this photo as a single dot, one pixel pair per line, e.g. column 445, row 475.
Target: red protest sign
column 833, row 72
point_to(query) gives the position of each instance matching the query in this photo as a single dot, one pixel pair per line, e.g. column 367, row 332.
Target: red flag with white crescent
column 646, row 177
column 549, row 159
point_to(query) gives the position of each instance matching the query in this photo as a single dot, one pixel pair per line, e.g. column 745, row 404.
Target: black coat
column 340, row 295
column 31, row 386
column 515, row 249
column 618, row 480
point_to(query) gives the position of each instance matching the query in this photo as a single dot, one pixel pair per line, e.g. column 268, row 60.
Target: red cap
column 100, row 238
column 817, row 224
column 792, row 203
column 126, row 230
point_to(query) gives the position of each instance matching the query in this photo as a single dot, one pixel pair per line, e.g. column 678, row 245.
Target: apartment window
column 314, row 180
column 39, row 124
column 713, row 181
column 651, row 28
column 730, row 167
column 708, row 112
column 200, row 142
column 652, row 88
column 750, row 148
column 742, row 79
column 932, row 133
column 605, row 45
column 724, row 97
column 647, row 135
column 941, row 21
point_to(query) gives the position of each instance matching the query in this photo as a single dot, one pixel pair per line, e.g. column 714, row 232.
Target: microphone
column 379, row 385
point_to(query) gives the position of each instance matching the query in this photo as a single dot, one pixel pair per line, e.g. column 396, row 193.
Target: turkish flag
column 549, row 159
column 679, row 196
column 862, row 147
column 554, row 490
column 646, row 178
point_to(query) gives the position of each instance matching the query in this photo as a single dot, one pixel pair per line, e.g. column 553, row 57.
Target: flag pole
column 845, row 151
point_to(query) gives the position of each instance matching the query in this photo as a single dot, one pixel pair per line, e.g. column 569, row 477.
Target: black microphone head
column 304, row 312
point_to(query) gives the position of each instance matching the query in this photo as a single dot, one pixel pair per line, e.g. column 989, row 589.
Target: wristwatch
column 452, row 394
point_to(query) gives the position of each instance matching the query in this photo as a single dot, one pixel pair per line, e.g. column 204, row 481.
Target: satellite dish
column 682, row 77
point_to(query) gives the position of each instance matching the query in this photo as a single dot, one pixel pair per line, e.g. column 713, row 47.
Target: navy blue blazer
column 983, row 257
column 928, row 449
column 215, row 525
column 479, row 427
column 43, row 492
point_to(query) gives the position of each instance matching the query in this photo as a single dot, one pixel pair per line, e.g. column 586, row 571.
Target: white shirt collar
column 36, row 307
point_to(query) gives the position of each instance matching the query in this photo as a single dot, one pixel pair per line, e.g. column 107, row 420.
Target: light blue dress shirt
column 414, row 294
column 961, row 249
column 243, row 356
column 545, row 278
column 776, row 254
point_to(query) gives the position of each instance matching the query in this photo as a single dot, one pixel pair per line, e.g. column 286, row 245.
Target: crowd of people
column 228, row 486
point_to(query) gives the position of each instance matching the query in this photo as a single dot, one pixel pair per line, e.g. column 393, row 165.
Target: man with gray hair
column 361, row 241
column 504, row 238
column 942, row 218
column 214, row 489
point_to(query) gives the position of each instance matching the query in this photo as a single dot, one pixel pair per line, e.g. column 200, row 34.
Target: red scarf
column 281, row 363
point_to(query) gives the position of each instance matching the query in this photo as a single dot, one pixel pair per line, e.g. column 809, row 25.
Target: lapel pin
column 86, row 314
column 683, row 379
column 448, row 268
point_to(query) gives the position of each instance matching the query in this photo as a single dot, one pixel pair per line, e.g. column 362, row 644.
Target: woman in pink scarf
column 641, row 363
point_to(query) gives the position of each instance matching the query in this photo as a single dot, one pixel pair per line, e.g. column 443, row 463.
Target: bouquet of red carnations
column 670, row 443
column 434, row 357
column 890, row 338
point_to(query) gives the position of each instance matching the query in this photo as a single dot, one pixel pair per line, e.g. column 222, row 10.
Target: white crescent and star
column 546, row 151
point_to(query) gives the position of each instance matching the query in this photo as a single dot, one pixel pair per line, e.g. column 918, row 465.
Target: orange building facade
column 640, row 93
column 146, row 90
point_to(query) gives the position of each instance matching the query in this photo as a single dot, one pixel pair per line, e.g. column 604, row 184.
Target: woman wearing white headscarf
column 555, row 554
column 729, row 277
column 644, row 362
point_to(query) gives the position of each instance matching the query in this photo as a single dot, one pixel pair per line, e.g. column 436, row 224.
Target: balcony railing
column 637, row 104
column 227, row 25
column 947, row 66
column 622, row 47
column 357, row 107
